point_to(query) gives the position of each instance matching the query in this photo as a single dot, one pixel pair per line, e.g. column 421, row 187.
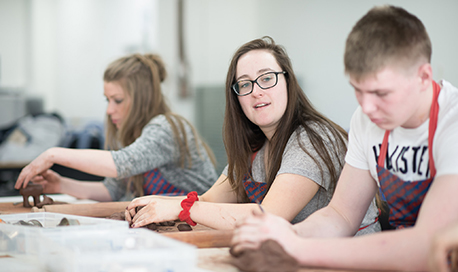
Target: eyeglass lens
column 264, row 81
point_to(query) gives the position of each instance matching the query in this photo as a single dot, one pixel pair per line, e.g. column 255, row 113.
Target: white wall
column 14, row 37
column 66, row 45
column 59, row 48
column 314, row 34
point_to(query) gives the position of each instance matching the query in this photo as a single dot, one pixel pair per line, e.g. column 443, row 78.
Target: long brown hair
column 140, row 76
column 242, row 137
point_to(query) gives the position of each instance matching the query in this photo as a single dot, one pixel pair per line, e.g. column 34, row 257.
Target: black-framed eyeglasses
column 264, row 81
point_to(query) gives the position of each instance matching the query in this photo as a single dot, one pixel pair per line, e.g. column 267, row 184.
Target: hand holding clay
column 36, row 167
column 50, row 181
column 157, row 209
column 253, row 230
column 444, row 249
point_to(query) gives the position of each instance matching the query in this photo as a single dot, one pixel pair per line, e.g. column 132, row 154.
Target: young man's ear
column 425, row 75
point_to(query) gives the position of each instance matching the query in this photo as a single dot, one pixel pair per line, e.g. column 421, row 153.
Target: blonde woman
column 150, row 149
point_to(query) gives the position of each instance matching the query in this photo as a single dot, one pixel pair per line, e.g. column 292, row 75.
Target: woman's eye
column 245, row 85
column 118, row 101
column 266, row 78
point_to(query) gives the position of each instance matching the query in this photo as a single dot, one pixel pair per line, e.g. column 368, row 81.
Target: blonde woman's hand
column 255, row 229
column 50, row 180
column 444, row 248
column 39, row 165
column 156, row 209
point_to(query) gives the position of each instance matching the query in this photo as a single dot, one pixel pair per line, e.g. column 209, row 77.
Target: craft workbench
column 213, row 245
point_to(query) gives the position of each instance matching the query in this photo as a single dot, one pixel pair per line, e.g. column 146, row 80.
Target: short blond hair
column 386, row 35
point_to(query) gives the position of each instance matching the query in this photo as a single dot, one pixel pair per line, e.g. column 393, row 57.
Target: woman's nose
column 257, row 91
column 110, row 108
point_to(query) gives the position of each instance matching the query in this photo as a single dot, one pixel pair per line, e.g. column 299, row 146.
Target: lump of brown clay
column 269, row 257
column 184, row 227
column 167, row 223
column 34, row 190
column 117, row 216
column 138, row 208
column 46, row 201
column 152, row 226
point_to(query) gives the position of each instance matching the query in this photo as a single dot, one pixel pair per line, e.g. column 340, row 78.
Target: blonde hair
column 386, row 35
column 140, row 76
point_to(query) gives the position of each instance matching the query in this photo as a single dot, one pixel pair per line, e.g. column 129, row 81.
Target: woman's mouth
column 260, row 105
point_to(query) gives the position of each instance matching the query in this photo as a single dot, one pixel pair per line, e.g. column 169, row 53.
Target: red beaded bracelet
column 186, row 204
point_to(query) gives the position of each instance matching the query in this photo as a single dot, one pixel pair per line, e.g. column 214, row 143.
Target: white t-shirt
column 408, row 148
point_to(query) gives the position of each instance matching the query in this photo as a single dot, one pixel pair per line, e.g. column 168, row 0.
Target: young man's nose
column 368, row 104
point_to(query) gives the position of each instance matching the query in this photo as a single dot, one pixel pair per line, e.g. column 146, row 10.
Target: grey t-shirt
column 296, row 161
column 156, row 148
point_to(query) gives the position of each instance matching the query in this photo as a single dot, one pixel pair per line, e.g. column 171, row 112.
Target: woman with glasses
column 281, row 151
column 153, row 151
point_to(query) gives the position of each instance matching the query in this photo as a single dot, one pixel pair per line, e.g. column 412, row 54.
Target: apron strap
column 432, row 126
column 383, row 149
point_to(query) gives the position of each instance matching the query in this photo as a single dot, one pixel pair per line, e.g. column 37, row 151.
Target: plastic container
column 110, row 250
column 18, row 239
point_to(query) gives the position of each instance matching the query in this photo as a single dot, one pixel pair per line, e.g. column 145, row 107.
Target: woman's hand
column 255, row 229
column 50, row 180
column 156, row 209
column 38, row 166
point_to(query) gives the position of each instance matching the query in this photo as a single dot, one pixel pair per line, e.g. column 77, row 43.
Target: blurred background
column 53, row 54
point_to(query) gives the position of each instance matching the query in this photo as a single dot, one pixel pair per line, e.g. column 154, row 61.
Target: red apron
column 254, row 190
column 155, row 184
column 404, row 198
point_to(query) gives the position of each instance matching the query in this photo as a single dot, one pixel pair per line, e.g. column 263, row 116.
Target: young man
column 403, row 141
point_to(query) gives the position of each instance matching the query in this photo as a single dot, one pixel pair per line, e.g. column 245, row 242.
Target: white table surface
column 55, row 197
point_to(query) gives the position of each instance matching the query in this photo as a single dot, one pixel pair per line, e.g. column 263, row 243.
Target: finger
column 19, row 180
column 127, row 215
column 141, row 213
column 130, row 214
column 142, row 221
column 26, row 179
column 138, row 202
column 246, row 234
column 37, row 178
column 46, row 173
column 252, row 220
column 237, row 248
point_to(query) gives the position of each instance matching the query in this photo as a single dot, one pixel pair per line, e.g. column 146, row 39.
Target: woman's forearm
column 94, row 190
column 92, row 161
column 220, row 215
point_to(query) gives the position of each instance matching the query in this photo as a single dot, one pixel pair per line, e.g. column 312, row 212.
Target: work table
column 213, row 245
